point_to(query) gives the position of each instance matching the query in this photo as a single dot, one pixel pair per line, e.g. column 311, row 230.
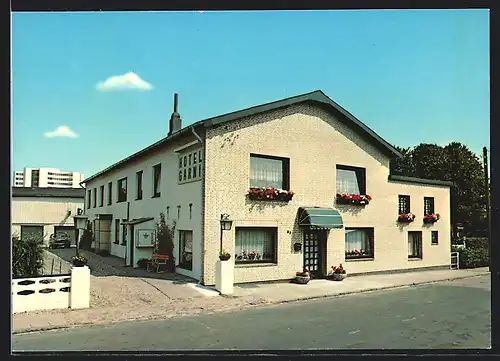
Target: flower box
column 79, row 261
column 269, row 194
column 406, row 218
column 302, row 277
column 431, row 218
column 224, row 255
column 339, row 276
column 353, row 199
column 338, row 273
column 358, row 254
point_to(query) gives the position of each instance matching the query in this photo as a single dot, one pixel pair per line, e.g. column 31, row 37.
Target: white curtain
column 414, row 241
column 255, row 240
column 347, row 181
column 357, row 239
column 266, row 173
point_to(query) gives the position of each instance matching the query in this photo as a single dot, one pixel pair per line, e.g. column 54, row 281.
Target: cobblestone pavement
column 444, row 315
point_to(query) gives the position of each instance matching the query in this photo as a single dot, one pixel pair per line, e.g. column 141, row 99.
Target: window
column 32, row 232
column 110, row 193
column 428, row 205
column 117, row 231
column 269, row 172
column 434, row 237
column 89, row 198
column 404, row 204
column 124, row 233
column 190, row 166
column 138, row 194
column 255, row 244
column 351, row 180
column 359, row 243
column 186, row 249
column 415, row 244
column 101, row 196
column 94, row 199
column 157, row 180
column 122, row 190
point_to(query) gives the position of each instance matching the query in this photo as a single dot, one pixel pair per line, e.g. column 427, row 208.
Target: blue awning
column 320, row 218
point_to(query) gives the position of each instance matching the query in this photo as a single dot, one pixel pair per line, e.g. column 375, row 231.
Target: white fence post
column 80, row 287
column 455, row 264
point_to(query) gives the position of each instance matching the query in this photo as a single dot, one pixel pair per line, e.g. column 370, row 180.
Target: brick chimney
column 175, row 118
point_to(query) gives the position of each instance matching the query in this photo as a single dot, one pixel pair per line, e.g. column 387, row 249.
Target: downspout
column 127, row 245
column 196, row 135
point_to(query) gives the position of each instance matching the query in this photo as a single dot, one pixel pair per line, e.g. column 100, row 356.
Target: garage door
column 69, row 230
column 32, row 231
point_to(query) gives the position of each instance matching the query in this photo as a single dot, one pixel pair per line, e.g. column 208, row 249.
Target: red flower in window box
column 431, row 218
column 355, row 199
column 406, row 217
column 271, row 194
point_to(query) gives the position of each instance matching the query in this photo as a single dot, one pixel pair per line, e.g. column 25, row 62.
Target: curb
column 50, row 328
column 378, row 289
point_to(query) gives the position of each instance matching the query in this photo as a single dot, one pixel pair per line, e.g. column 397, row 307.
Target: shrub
column 165, row 236
column 473, row 257
column 476, row 243
column 27, row 256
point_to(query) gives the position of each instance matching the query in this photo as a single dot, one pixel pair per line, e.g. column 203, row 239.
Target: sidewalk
column 137, row 298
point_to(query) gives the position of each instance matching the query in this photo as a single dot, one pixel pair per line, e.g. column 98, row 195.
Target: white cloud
column 128, row 81
column 61, row 131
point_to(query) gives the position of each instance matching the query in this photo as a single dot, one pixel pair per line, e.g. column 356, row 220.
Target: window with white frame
column 415, row 244
column 350, row 180
column 359, row 243
column 190, row 166
column 122, row 190
column 157, row 180
column 269, row 172
column 186, row 249
column 255, row 244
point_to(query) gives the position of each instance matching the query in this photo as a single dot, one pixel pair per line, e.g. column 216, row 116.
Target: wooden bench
column 156, row 261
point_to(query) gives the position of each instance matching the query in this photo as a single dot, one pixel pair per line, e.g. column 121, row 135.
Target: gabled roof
column 316, row 97
column 49, row 192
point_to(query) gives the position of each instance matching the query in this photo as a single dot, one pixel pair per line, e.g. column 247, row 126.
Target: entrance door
column 315, row 252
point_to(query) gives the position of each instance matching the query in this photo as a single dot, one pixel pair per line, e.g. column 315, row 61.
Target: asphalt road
column 445, row 315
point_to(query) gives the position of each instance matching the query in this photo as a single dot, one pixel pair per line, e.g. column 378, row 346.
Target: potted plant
column 79, row 261
column 406, row 217
column 224, row 255
column 338, row 273
column 302, row 277
column 431, row 218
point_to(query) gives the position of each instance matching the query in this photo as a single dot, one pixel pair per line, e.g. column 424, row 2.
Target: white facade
column 47, row 178
column 179, row 201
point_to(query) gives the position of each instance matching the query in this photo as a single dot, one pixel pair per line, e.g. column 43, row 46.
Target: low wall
column 53, row 264
column 70, row 290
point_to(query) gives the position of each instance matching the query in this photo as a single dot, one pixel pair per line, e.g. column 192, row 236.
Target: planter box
column 339, row 276
column 302, row 279
column 224, row 276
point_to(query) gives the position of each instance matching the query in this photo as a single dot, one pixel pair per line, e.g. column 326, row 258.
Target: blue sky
column 412, row 76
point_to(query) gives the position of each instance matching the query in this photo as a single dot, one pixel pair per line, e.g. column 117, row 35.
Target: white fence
column 51, row 292
column 454, row 260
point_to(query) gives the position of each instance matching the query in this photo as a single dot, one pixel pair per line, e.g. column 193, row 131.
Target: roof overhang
column 137, row 221
column 433, row 182
column 320, row 218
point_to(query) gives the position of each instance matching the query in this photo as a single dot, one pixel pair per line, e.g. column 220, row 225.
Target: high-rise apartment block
column 47, row 178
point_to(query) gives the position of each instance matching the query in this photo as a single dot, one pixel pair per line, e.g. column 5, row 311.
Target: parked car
column 60, row 240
